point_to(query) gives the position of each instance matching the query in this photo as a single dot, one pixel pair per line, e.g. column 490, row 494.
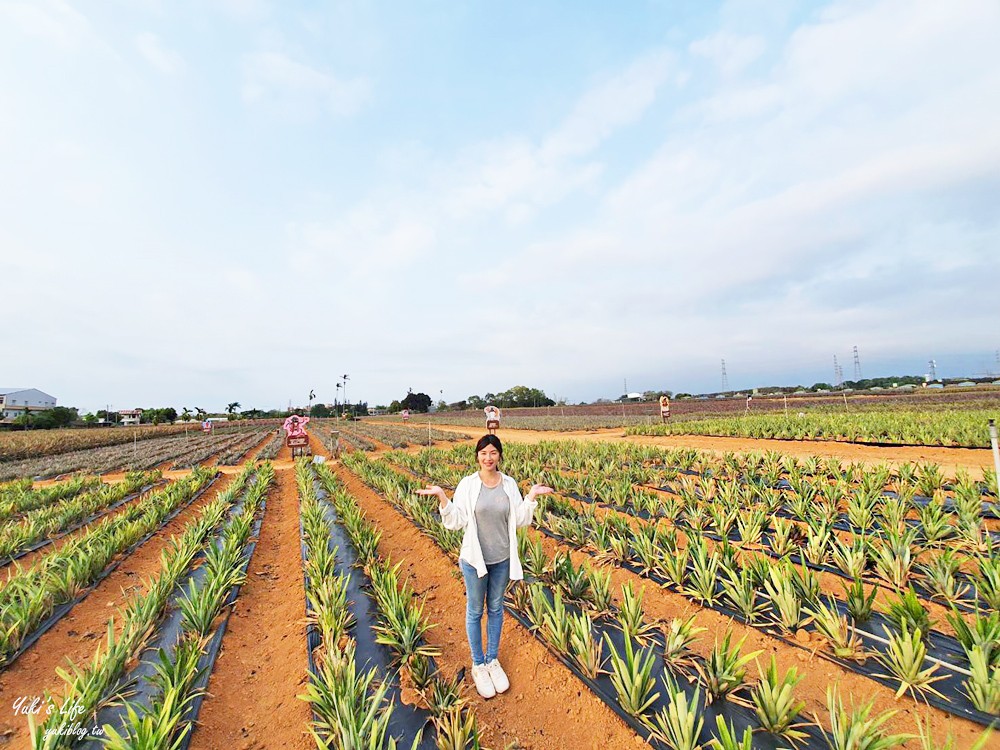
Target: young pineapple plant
column 726, row 737
column 860, row 605
column 935, row 524
column 987, row 580
column 584, row 649
column 785, row 538
column 674, row 567
column 679, row 723
column 894, row 558
column 723, row 672
column 785, row 602
column 703, row 579
column 631, row 617
column 983, row 685
column 599, row 589
column 851, row 557
column 350, row 707
column 739, row 588
column 632, row 677
column 904, row 660
column 906, row 611
column 751, row 526
column 457, row 730
column 941, row 576
column 556, row 624
column 843, row 639
column 532, row 553
column 984, row 633
column 678, row 635
column 857, row 729
column 817, row 544
column 775, row 704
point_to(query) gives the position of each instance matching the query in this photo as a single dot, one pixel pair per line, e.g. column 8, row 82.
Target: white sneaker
column 499, row 677
column 484, row 684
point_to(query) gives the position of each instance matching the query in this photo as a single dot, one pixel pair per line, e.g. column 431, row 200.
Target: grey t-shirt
column 492, row 517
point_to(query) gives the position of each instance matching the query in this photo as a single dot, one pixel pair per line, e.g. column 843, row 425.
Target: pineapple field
column 214, row 592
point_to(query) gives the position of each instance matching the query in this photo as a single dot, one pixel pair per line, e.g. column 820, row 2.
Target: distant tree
column 441, row 405
column 821, row 387
column 475, row 402
column 200, row 413
column 416, row 402
column 186, row 414
column 231, row 409
column 90, row 418
column 321, row 411
column 395, row 407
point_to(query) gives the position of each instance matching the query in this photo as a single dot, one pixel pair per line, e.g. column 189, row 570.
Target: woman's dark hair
column 490, row 440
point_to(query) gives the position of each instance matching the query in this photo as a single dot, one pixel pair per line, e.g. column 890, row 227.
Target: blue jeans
column 489, row 589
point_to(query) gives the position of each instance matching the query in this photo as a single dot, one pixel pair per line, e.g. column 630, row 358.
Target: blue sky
column 241, row 200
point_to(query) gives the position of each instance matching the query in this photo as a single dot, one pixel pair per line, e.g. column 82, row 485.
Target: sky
column 206, row 201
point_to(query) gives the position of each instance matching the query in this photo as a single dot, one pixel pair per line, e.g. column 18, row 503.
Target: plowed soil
column 77, row 635
column 262, row 666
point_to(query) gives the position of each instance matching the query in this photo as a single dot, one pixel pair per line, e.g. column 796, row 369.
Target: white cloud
column 730, row 52
column 164, row 60
column 276, row 79
column 53, row 21
column 607, row 107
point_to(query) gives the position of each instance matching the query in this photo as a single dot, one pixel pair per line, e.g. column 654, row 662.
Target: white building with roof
column 16, row 401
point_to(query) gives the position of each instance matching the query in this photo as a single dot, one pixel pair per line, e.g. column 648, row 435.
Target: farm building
column 16, row 401
column 130, row 416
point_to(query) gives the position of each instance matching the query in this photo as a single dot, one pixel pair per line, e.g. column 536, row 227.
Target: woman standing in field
column 489, row 506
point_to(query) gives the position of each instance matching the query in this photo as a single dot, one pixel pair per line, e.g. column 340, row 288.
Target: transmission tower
column 725, row 378
column 857, row 365
column 838, row 374
column 932, row 364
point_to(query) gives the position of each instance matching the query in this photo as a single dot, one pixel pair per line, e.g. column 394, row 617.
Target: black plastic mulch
column 939, row 647
column 137, row 685
column 60, row 611
column 405, row 721
column 738, row 716
column 79, row 524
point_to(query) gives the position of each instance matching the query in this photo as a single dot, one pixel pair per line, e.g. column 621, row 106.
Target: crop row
column 400, row 436
column 587, row 631
column 946, row 428
column 364, row 641
column 333, row 437
column 19, row 445
column 89, row 688
column 182, row 450
column 789, row 599
column 19, row 497
column 38, row 525
column 30, row 596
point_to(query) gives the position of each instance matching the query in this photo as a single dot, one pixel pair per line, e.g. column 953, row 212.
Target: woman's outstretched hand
column 434, row 490
column 538, row 489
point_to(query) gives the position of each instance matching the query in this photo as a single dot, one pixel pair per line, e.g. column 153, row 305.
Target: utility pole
column 346, row 377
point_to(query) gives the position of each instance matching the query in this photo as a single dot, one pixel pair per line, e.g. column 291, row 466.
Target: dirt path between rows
column 75, row 637
column 261, row 668
column 949, row 459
